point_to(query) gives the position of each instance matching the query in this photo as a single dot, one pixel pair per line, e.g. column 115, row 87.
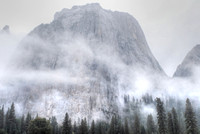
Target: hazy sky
column 172, row 27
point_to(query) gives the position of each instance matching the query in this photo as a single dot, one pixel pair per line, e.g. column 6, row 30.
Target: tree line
column 167, row 122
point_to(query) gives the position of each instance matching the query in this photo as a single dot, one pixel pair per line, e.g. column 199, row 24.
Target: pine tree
column 92, row 129
column 175, row 122
column 170, row 124
column 83, row 129
column 67, row 126
column 7, row 123
column 151, row 128
column 126, row 127
column 23, row 128
column 143, row 131
column 18, row 124
column 112, row 126
column 105, row 127
column 27, row 121
column 136, row 125
column 161, row 116
column 190, row 119
column 75, row 128
column 117, row 125
column 122, row 130
column 70, row 126
column 54, row 125
column 2, row 118
column 99, row 128
column 12, row 120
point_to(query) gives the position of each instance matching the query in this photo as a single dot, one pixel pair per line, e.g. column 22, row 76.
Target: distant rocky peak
column 83, row 8
column 91, row 5
column 5, row 29
column 192, row 59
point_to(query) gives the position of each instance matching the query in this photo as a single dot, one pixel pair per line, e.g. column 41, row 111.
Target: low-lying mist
column 74, row 74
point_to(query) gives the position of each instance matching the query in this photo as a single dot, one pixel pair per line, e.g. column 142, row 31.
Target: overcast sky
column 171, row 27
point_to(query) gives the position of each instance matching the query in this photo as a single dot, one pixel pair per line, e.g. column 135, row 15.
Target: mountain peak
column 196, row 47
column 82, row 8
column 118, row 30
column 191, row 60
column 5, row 29
column 90, row 5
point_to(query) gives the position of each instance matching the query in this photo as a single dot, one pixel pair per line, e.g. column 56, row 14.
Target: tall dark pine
column 136, row 125
column 75, row 128
column 126, row 127
column 170, row 124
column 143, row 131
column 27, row 122
column 175, row 122
column 7, row 122
column 83, row 128
column 122, row 131
column 161, row 116
column 151, row 128
column 115, row 125
column 22, row 126
column 2, row 118
column 92, row 128
column 112, row 126
column 12, row 120
column 67, row 126
column 190, row 119
column 54, row 125
column 99, row 128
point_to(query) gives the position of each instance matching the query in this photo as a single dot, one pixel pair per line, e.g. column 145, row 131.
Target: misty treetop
column 167, row 122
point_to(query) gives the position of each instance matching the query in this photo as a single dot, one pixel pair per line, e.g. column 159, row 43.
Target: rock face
column 80, row 63
column 190, row 62
column 120, row 31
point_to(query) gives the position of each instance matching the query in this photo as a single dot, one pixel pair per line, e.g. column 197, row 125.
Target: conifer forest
column 167, row 119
